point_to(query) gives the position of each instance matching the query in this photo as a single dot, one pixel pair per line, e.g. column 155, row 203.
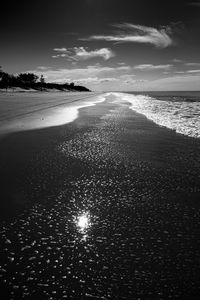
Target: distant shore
column 31, row 90
column 31, row 81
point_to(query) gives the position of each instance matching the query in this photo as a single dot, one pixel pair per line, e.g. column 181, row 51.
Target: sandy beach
column 33, row 110
column 104, row 207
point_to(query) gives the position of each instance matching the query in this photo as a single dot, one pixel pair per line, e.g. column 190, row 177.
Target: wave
column 181, row 116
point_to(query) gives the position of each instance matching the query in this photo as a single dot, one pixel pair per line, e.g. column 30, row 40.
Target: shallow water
column 180, row 112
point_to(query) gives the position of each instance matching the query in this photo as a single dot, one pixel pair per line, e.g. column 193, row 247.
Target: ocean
column 179, row 111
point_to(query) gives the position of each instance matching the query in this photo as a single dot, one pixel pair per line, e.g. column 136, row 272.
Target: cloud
column 193, row 71
column 138, row 34
column 107, row 79
column 43, row 68
column 87, row 80
column 95, row 80
column 179, row 78
column 180, row 72
column 121, row 79
column 60, row 49
column 153, row 67
column 193, row 64
column 60, row 55
column 187, row 82
column 127, row 78
column 188, row 71
column 175, row 60
column 121, row 63
column 73, row 74
column 194, row 4
column 81, row 53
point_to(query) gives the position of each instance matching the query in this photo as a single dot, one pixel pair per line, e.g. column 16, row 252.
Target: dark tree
column 30, row 80
column 27, row 78
column 1, row 72
column 42, row 80
column 6, row 80
column 71, row 85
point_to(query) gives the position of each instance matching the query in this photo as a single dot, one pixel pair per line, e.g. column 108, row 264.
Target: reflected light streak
column 83, row 223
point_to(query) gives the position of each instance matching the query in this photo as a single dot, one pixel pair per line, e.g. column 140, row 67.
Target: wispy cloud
column 60, row 55
column 95, row 80
column 176, row 60
column 193, row 71
column 194, row 4
column 173, row 82
column 81, row 53
column 186, row 72
column 177, row 82
column 138, row 34
column 180, row 72
column 120, row 80
column 128, row 78
column 153, row 67
column 74, row 74
column 192, row 64
column 43, row 68
column 60, row 49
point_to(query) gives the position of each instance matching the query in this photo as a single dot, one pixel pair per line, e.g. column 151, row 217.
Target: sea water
column 179, row 111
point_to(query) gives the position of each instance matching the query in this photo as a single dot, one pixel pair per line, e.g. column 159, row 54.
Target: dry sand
column 106, row 207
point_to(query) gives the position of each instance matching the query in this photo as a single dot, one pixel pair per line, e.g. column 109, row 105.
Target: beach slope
column 104, row 207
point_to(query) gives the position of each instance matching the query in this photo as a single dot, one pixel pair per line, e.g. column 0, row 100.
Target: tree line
column 32, row 81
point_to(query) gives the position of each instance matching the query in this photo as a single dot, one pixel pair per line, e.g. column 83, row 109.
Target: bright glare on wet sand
column 83, row 222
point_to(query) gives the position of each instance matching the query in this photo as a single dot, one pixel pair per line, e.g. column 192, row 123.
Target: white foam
column 181, row 116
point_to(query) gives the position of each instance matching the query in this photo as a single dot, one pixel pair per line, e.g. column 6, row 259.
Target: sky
column 105, row 45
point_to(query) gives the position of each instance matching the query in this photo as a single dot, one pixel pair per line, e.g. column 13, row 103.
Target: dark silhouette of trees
column 71, row 85
column 6, row 79
column 42, row 80
column 32, row 81
column 27, row 79
column 80, row 88
column 42, row 83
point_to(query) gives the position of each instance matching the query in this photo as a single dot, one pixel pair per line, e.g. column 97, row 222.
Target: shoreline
column 46, row 135
column 139, row 185
column 23, row 114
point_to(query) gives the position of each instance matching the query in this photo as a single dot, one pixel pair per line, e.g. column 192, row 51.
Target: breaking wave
column 176, row 113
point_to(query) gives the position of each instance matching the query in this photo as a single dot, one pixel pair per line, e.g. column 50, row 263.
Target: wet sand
column 26, row 111
column 106, row 207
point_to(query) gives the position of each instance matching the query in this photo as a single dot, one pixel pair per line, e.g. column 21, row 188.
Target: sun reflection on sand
column 83, row 222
